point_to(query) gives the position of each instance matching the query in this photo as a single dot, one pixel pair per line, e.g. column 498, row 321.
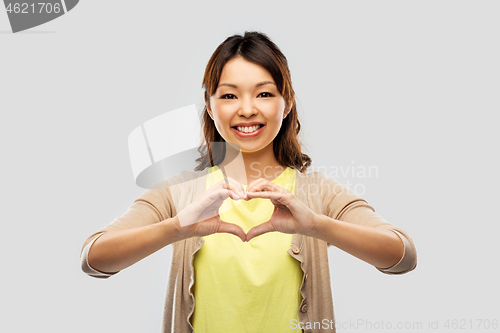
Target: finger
column 256, row 183
column 265, row 185
column 228, row 186
column 232, row 228
column 224, row 193
column 236, row 186
column 259, row 230
column 279, row 197
column 220, row 183
column 217, row 197
column 228, row 183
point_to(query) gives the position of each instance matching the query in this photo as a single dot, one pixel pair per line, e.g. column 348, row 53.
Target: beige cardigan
column 321, row 194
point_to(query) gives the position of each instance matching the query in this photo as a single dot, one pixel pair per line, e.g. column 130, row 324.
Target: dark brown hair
column 257, row 48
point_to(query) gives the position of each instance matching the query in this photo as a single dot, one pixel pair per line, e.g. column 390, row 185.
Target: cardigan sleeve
column 153, row 206
column 342, row 204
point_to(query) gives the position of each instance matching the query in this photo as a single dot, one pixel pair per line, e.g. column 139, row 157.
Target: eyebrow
column 235, row 86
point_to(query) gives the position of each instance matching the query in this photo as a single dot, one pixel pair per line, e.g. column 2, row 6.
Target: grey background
column 410, row 87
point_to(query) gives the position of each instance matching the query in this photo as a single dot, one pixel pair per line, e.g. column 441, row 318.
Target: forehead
column 240, row 70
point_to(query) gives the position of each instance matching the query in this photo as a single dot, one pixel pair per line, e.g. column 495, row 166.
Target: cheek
column 218, row 124
column 221, row 119
column 279, row 109
column 279, row 104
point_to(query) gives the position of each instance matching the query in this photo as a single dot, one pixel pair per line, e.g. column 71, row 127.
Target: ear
column 206, row 98
column 287, row 111
column 209, row 110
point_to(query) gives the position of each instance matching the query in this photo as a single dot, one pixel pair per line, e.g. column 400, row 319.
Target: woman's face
column 247, row 96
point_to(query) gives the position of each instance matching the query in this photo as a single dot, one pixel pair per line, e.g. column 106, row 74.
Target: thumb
column 232, row 228
column 259, row 230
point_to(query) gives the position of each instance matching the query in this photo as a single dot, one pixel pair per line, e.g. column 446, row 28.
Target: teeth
column 248, row 129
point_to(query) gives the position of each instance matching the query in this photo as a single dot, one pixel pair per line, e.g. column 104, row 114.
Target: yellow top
column 246, row 286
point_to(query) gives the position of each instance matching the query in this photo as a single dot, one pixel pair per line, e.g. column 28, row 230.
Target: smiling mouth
column 249, row 129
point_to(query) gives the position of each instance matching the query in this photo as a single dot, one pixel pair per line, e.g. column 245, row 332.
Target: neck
column 246, row 167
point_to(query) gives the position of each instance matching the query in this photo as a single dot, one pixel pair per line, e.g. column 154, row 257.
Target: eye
column 267, row 94
column 227, row 96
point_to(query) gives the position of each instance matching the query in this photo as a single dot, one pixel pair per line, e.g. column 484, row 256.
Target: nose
column 246, row 108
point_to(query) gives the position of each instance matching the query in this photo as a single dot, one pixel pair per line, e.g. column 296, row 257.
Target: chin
column 250, row 149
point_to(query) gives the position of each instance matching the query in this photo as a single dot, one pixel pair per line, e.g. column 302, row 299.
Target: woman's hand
column 290, row 214
column 201, row 217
